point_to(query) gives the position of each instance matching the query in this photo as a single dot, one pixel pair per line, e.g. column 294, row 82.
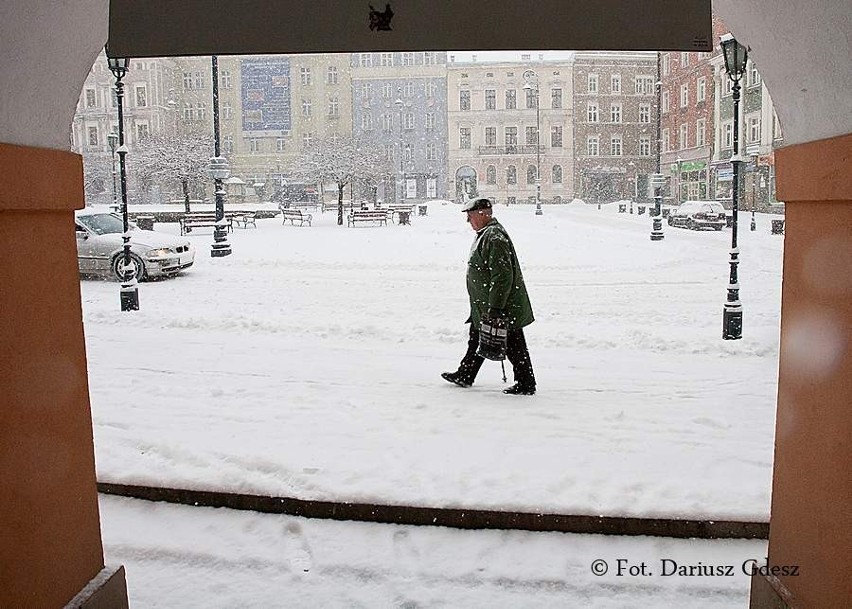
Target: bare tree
column 97, row 174
column 180, row 158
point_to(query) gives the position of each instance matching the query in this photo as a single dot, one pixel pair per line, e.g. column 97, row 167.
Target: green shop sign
column 689, row 166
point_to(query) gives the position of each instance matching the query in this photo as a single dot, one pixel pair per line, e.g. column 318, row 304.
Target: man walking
column 497, row 292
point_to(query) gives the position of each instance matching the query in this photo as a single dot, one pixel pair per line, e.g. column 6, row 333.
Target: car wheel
column 690, row 224
column 136, row 265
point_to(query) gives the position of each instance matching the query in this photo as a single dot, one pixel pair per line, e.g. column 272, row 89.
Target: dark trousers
column 516, row 353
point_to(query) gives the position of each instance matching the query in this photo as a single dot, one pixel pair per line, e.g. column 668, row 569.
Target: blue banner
column 266, row 94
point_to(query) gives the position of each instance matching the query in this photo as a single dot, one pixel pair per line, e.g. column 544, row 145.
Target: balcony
column 510, row 149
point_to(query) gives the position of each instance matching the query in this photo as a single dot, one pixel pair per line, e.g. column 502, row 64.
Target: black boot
column 518, row 389
column 456, row 378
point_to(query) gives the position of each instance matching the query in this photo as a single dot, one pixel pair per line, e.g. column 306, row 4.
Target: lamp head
column 117, row 65
column 112, row 139
column 736, row 56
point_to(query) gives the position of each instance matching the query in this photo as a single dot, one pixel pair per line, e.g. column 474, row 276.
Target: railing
column 500, row 150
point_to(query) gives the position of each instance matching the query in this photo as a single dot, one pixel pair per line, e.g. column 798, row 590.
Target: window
column 593, row 145
column 366, row 90
column 225, row 79
column 408, row 89
column 592, row 112
column 556, row 136
column 187, row 81
column 366, row 60
column 665, row 101
column 700, row 89
column 464, row 100
column 387, row 90
column 199, row 80
column 727, row 85
column 430, row 121
column 700, row 129
column 188, row 112
column 305, row 75
column 531, row 174
column 431, row 152
column 408, row 121
column 665, row 67
column 531, row 98
column 333, row 107
column 491, row 136
column 430, row 89
column 531, row 138
column 228, row 144
column 91, row 98
column 615, row 113
column 684, row 60
column 556, row 174
column 556, row 98
column 615, row 145
column 511, row 135
column 754, row 129
column 93, row 136
column 511, row 174
column 665, row 141
column 332, row 75
column 141, row 131
column 200, row 111
column 280, row 144
column 464, row 138
column 429, row 59
column 389, row 151
column 307, row 140
column 684, row 95
column 644, row 113
column 386, row 59
column 511, row 99
column 644, row 145
column 592, row 86
column 367, row 122
column 227, row 110
column 753, row 75
column 683, row 136
column 307, row 107
column 387, row 123
column 615, row 83
column 254, row 144
column 644, row 85
column 490, row 99
column 408, row 152
column 728, row 135
column 491, row 174
column 408, row 59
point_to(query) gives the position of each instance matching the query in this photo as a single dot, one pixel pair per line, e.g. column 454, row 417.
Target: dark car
column 698, row 214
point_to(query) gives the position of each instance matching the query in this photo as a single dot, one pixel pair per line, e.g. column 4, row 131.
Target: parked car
column 100, row 248
column 698, row 214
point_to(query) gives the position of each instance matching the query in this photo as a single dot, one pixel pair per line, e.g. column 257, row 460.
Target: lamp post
column 631, row 177
column 399, row 105
column 112, row 139
column 219, row 170
column 736, row 56
column 754, row 152
column 529, row 75
column 658, row 179
column 127, row 267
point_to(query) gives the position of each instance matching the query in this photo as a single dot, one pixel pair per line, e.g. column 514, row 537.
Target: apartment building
column 508, row 121
column 615, row 109
column 399, row 102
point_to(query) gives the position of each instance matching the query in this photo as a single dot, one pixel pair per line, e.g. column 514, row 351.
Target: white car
column 100, row 248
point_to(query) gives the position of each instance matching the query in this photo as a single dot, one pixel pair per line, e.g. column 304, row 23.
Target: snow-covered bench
column 371, row 215
column 295, row 214
column 202, row 219
column 243, row 218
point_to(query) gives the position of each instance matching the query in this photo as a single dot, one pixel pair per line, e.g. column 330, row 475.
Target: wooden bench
column 295, row 214
column 243, row 218
column 372, row 215
column 201, row 219
column 395, row 208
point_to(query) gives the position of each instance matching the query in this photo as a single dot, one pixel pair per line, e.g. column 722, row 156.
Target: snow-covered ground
column 201, row 558
column 307, row 364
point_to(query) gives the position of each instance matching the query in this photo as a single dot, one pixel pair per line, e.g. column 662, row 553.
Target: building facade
column 511, row 128
column 615, row 109
column 400, row 103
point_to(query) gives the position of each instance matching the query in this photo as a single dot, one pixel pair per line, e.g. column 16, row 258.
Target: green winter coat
column 494, row 279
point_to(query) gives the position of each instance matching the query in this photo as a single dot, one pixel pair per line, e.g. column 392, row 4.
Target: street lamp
column 658, row 179
column 399, row 105
column 529, row 75
column 129, row 292
column 754, row 152
column 736, row 56
column 112, row 139
column 632, row 177
column 219, row 171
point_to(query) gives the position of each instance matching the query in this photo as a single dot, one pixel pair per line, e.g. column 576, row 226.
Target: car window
column 102, row 224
